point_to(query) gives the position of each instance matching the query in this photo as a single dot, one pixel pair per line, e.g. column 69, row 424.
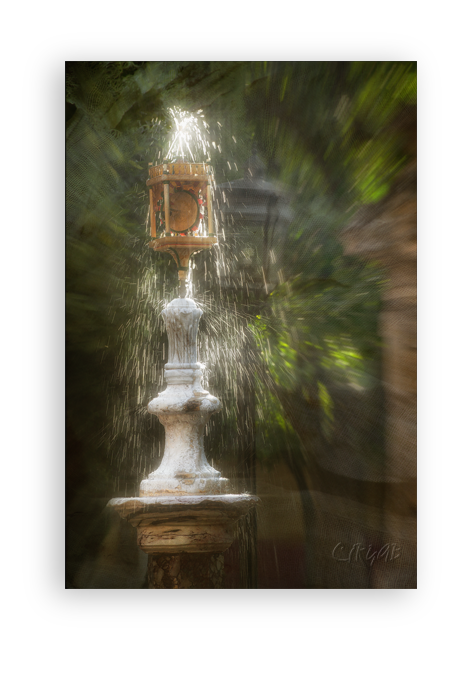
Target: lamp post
column 257, row 216
column 184, row 513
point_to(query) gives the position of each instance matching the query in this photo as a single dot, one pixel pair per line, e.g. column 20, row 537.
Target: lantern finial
column 181, row 214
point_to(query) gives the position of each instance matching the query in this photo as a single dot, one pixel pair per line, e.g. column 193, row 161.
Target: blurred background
column 309, row 331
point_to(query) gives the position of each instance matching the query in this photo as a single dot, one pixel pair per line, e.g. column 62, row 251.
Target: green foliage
column 275, row 433
column 317, row 332
column 331, row 130
column 327, row 408
column 327, row 131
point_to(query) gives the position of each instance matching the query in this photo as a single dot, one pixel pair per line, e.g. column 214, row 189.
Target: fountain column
column 184, row 513
column 184, row 409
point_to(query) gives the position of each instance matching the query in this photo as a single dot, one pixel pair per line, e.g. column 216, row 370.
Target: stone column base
column 185, row 571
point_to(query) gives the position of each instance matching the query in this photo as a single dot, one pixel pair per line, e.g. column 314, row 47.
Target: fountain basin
column 172, row 524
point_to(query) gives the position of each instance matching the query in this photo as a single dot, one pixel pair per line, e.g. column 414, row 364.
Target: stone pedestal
column 184, row 535
column 184, row 523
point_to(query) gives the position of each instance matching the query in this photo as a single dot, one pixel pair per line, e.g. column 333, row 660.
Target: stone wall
column 387, row 232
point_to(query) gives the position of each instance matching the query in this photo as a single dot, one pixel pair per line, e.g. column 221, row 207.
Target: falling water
column 234, row 340
column 134, row 437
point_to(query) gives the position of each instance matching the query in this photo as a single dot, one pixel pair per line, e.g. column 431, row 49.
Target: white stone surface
column 183, row 408
column 182, row 317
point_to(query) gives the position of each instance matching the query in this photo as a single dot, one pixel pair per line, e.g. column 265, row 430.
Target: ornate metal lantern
column 181, row 212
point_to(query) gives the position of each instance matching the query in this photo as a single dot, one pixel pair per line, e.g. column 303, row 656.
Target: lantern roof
column 248, row 198
column 253, row 182
column 257, row 213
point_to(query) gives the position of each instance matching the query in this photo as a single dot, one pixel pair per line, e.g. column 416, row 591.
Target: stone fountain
column 184, row 513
